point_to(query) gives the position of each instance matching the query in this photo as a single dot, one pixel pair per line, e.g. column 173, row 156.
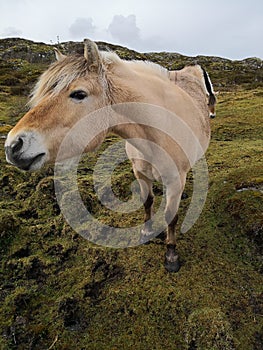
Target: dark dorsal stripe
column 207, row 83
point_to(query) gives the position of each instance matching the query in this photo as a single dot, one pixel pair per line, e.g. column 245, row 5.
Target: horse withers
column 169, row 111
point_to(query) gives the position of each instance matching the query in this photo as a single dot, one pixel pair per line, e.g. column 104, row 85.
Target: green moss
column 9, row 224
column 209, row 329
column 4, row 129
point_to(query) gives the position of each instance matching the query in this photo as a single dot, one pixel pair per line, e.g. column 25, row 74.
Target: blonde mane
column 149, row 67
column 62, row 73
column 110, row 58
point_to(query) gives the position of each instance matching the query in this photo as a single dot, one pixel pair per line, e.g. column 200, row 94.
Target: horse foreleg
column 172, row 263
column 147, row 198
column 148, row 210
column 173, row 197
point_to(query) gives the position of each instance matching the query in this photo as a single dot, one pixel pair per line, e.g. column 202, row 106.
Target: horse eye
column 78, row 95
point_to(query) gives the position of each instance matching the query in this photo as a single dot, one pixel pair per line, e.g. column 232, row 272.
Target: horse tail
column 209, row 88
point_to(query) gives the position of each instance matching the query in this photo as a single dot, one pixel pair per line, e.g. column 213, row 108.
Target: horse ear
column 59, row 55
column 92, row 55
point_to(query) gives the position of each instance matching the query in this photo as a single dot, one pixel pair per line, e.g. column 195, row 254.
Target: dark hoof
column 172, row 266
column 171, row 263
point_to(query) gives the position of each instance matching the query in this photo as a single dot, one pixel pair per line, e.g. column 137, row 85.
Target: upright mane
column 150, row 67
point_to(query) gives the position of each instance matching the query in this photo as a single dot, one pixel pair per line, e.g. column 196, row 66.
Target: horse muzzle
column 25, row 151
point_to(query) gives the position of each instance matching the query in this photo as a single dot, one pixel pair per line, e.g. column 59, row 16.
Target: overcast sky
column 226, row 28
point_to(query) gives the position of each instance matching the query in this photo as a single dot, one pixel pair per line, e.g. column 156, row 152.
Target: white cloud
column 82, row 27
column 124, row 29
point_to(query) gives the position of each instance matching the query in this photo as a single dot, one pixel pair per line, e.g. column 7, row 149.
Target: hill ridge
column 25, row 59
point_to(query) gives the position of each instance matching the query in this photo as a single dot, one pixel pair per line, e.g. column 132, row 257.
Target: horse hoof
column 172, row 266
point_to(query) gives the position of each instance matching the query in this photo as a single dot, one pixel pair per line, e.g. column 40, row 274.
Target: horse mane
column 150, row 67
column 110, row 58
column 62, row 73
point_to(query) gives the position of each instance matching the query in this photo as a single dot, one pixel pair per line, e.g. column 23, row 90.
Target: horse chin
column 29, row 164
column 37, row 162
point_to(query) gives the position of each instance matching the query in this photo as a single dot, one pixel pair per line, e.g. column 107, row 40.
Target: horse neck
column 194, row 88
column 118, row 91
column 125, row 127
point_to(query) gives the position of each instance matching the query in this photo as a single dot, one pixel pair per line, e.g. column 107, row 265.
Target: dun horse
column 75, row 86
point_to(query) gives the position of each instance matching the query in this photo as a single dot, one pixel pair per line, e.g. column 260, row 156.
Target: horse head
column 70, row 89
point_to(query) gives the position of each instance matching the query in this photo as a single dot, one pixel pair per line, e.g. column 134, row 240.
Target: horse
column 170, row 110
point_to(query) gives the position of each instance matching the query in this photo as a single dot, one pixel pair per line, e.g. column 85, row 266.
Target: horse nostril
column 16, row 147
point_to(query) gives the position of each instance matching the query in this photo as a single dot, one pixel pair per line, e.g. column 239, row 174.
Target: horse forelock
column 58, row 76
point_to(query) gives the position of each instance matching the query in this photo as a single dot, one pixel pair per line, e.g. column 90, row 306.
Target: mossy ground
column 60, row 291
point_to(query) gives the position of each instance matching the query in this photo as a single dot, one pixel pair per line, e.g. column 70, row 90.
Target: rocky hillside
column 25, row 59
column 59, row 291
